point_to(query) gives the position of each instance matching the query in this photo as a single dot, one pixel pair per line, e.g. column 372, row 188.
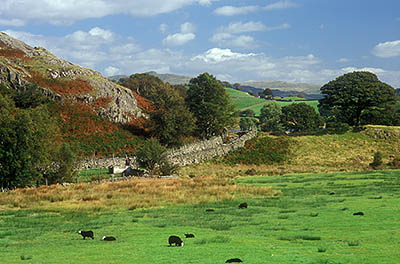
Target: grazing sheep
column 210, row 210
column 189, row 235
column 242, row 205
column 108, row 238
column 86, row 234
column 233, row 260
column 175, row 240
column 359, row 213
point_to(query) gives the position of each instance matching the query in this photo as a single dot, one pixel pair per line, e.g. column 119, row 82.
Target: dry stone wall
column 208, row 149
column 189, row 154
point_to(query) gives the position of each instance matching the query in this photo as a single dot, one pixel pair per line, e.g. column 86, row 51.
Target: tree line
column 351, row 100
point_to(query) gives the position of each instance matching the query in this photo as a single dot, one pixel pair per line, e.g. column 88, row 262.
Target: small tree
column 64, row 160
column 377, row 162
column 267, row 93
column 247, row 123
column 300, row 117
column 152, row 156
column 210, row 104
column 247, row 113
column 270, row 117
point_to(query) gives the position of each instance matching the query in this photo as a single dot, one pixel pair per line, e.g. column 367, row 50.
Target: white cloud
column 217, row 55
column 367, row 69
column 12, row 22
column 69, row 11
column 343, row 60
column 232, row 11
column 111, row 71
column 163, row 28
column 99, row 32
column 179, row 39
column 280, row 5
column 226, row 36
column 187, row 28
column 387, row 49
column 230, row 40
column 125, row 48
column 239, row 27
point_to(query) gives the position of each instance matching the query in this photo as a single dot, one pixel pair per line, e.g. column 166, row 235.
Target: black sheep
column 210, row 210
column 108, row 238
column 86, row 234
column 359, row 213
column 189, row 235
column 175, row 240
column 233, row 260
column 242, row 205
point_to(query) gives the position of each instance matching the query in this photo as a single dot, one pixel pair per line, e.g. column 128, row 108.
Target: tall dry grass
column 131, row 194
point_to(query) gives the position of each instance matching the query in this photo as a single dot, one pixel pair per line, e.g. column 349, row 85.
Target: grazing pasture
column 312, row 221
column 243, row 101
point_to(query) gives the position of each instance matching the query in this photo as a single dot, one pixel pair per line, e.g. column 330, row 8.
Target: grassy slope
column 291, row 228
column 243, row 100
column 287, row 227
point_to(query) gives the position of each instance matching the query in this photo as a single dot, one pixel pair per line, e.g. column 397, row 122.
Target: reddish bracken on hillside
column 62, row 87
column 80, row 119
column 102, row 102
column 143, row 103
column 11, row 53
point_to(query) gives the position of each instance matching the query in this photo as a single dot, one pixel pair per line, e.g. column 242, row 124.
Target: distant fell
column 171, row 78
column 308, row 88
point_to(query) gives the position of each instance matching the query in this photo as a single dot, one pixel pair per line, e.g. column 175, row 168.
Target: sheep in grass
column 189, row 235
column 232, row 260
column 175, row 240
column 86, row 234
column 108, row 238
column 359, row 213
column 242, row 205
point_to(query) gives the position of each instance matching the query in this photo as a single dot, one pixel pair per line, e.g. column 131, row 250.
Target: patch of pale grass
column 133, row 193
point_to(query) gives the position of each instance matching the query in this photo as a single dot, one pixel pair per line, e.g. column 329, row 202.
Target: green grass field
column 242, row 100
column 311, row 222
column 257, row 108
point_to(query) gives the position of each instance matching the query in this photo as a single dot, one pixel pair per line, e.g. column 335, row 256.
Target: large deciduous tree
column 210, row 104
column 300, row 118
column 270, row 117
column 170, row 119
column 349, row 96
column 27, row 144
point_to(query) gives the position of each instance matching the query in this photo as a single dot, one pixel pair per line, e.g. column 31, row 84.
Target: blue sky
column 290, row 40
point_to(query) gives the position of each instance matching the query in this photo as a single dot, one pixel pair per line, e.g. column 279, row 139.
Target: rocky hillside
column 62, row 81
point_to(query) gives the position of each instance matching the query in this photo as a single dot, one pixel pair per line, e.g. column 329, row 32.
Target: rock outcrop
column 21, row 64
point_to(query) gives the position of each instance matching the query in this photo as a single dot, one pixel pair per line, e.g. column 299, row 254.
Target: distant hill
column 280, row 93
column 116, row 78
column 165, row 77
column 171, row 78
column 308, row 88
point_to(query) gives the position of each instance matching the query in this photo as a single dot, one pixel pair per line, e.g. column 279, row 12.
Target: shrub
column 152, row 156
column 377, row 162
column 395, row 162
column 263, row 150
column 336, row 127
